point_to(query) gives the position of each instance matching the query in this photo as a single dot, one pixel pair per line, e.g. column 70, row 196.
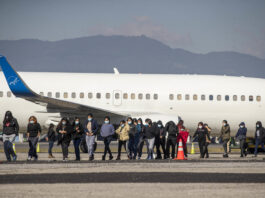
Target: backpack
column 172, row 128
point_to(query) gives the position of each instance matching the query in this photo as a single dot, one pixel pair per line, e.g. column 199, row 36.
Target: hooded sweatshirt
column 260, row 132
column 242, row 132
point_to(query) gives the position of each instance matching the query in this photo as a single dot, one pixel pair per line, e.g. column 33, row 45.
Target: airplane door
column 117, row 97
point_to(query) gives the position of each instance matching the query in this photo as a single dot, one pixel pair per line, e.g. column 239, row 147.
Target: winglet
column 18, row 87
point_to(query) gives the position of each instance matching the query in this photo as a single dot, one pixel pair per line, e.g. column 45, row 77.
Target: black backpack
column 172, row 128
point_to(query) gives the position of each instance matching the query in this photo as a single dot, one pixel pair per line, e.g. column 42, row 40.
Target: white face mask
column 122, row 125
column 224, row 124
column 64, row 123
column 159, row 125
column 76, row 122
column 106, row 121
column 257, row 125
column 31, row 121
column 200, row 127
column 129, row 122
column 241, row 126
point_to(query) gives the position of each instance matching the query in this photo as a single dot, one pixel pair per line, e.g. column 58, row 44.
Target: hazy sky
column 199, row 26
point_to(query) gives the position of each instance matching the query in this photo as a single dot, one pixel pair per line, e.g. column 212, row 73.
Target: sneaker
column 50, row 156
column 110, row 157
column 139, row 158
column 91, row 158
column 103, row 158
column 35, row 159
column 118, row 158
column 29, row 158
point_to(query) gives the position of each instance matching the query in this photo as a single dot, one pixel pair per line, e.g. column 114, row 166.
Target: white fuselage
column 167, row 106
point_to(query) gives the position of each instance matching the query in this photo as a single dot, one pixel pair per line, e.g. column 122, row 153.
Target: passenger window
column 132, row 96
column 117, row 96
column 202, row 97
column 41, row 93
column 73, row 95
column 81, row 95
column 8, row 94
column 179, row 97
column 90, row 95
column 195, row 97
column 258, row 98
column 140, row 96
column 226, row 98
column 98, row 95
column 251, row 98
column 65, row 95
column 243, row 98
column 155, row 96
column 234, row 97
column 49, row 94
column 171, row 97
column 211, row 97
column 187, row 97
column 147, row 96
column 1, row 94
column 57, row 95
column 125, row 96
column 107, row 95
column 219, row 97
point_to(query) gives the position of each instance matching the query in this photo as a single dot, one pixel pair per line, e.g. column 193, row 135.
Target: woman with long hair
column 33, row 134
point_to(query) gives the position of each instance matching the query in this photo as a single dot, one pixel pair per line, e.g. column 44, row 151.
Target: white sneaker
column 29, row 158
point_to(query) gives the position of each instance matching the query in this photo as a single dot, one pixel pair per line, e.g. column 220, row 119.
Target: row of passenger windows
column 212, row 97
column 107, row 95
column 148, row 96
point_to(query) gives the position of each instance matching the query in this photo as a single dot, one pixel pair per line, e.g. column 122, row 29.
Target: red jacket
column 183, row 135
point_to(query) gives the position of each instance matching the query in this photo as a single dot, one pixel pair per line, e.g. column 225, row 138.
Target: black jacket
column 261, row 133
column 172, row 129
column 201, row 133
column 76, row 134
column 132, row 131
column 51, row 135
column 33, row 129
column 10, row 128
column 66, row 138
column 149, row 132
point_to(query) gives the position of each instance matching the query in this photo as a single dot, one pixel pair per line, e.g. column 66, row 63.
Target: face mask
column 139, row 123
column 76, row 122
column 159, row 125
column 200, row 127
column 129, row 122
column 31, row 121
column 122, row 125
column 64, row 123
column 241, row 126
column 106, row 122
column 257, row 126
column 224, row 124
column 89, row 119
column 146, row 125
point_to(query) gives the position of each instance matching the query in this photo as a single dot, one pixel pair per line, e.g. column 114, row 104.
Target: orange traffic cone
column 180, row 155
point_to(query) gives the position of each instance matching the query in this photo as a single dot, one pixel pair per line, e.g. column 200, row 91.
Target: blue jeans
column 51, row 143
column 33, row 146
column 136, row 142
column 90, row 141
column 77, row 151
column 131, row 146
column 8, row 145
column 257, row 143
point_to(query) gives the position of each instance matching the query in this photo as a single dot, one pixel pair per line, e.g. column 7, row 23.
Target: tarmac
column 194, row 177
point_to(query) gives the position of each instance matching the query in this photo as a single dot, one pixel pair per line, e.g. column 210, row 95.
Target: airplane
column 194, row 98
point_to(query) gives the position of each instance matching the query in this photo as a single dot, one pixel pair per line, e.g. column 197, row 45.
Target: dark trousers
column 107, row 141
column 160, row 142
column 242, row 147
column 33, row 141
column 65, row 146
column 120, row 145
column 131, row 146
column 8, row 148
column 136, row 142
column 171, row 142
column 202, row 146
column 140, row 146
column 206, row 149
column 51, row 143
column 257, row 143
column 225, row 146
column 76, row 146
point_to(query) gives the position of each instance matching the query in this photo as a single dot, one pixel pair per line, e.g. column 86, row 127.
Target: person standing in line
column 259, row 137
column 241, row 136
column 123, row 136
column 183, row 135
column 149, row 134
column 91, row 128
column 202, row 133
column 51, row 138
column 172, row 130
column 160, row 140
column 132, row 133
column 136, row 138
column 78, row 132
column 64, row 130
column 225, row 136
column 33, row 134
column 139, row 129
column 10, row 131
column 107, row 131
column 208, row 141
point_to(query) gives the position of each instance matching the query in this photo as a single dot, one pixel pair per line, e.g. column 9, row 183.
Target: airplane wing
column 21, row 90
